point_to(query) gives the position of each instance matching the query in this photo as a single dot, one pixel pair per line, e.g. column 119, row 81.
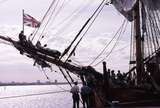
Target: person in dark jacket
column 22, row 41
column 85, row 94
column 22, row 38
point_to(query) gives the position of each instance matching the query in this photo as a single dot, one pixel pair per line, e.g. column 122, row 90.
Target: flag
column 30, row 21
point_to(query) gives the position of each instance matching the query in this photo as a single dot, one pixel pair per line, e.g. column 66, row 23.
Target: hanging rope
column 155, row 23
column 149, row 33
column 108, row 43
column 56, row 5
column 145, row 33
column 68, row 48
column 73, row 51
column 65, row 76
column 54, row 17
column 149, row 38
column 69, row 20
column 36, row 94
column 36, row 30
column 152, row 32
column 74, row 13
column 44, row 73
column 121, row 32
column 155, row 27
column 69, row 75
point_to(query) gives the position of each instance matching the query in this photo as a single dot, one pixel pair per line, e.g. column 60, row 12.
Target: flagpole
column 23, row 20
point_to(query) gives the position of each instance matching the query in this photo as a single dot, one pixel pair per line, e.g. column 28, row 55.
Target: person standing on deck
column 85, row 94
column 22, row 38
column 75, row 95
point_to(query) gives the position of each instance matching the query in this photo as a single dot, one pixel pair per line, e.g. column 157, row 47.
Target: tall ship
column 140, row 86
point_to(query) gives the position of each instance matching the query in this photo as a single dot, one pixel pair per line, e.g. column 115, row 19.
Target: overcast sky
column 16, row 67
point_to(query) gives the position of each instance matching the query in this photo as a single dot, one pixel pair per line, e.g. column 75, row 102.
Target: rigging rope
column 44, row 73
column 35, row 32
column 153, row 33
column 153, row 29
column 65, row 76
column 144, row 31
column 79, row 63
column 36, row 94
column 122, row 31
column 45, row 93
column 56, row 5
column 149, row 38
column 85, row 32
column 156, row 27
column 86, row 23
column 56, row 14
column 73, row 14
column 69, row 75
column 107, row 44
column 150, row 30
column 70, row 19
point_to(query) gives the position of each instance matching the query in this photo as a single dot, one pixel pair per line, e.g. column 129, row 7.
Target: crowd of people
column 119, row 79
column 42, row 48
column 26, row 46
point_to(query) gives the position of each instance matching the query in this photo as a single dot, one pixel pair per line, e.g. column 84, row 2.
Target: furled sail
column 125, row 7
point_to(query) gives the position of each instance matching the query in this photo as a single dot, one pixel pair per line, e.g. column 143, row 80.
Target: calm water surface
column 52, row 100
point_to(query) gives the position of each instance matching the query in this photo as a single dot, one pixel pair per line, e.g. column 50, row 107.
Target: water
column 54, row 100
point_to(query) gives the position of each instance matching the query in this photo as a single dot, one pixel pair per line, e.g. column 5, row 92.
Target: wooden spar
column 57, row 62
column 139, row 54
column 93, row 77
column 79, row 70
column 6, row 39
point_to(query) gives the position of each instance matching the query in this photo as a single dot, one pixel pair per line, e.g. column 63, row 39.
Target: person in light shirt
column 75, row 95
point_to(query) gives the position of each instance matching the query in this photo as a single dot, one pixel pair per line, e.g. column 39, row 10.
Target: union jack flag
column 30, row 21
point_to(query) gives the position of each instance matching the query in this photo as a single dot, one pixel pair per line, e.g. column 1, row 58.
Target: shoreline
column 29, row 84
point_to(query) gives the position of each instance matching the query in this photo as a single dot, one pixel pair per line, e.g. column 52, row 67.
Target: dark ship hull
column 134, row 97
column 106, row 93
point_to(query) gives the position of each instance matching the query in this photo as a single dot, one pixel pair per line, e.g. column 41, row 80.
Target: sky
column 59, row 33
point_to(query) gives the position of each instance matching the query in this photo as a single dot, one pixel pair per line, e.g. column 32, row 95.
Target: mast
column 23, row 20
column 138, row 38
